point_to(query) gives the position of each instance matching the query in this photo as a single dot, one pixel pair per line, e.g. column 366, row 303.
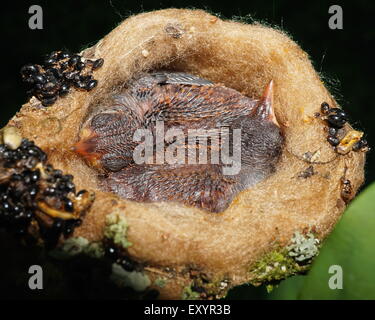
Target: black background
column 344, row 58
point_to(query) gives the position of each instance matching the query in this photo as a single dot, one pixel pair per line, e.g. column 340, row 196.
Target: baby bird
column 238, row 138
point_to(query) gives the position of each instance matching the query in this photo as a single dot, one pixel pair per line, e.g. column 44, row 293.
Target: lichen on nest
column 285, row 261
column 116, row 228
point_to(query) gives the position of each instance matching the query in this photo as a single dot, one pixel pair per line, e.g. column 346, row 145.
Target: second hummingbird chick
column 244, row 133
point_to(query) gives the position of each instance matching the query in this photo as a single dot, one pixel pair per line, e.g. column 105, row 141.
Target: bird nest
column 185, row 251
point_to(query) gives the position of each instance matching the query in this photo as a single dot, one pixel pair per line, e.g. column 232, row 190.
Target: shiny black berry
column 127, row 264
column 336, row 120
column 64, row 89
column 97, row 64
column 339, row 112
column 91, row 85
column 74, row 60
column 360, row 144
column 39, row 78
column 63, row 55
column 50, row 61
column 333, row 141
column 79, row 66
column 49, row 101
column 68, row 205
column 111, row 252
column 332, row 131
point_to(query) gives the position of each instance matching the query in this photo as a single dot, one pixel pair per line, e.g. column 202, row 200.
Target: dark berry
column 56, row 73
column 74, row 60
column 54, row 55
column 68, row 177
column 360, row 144
column 68, row 205
column 39, row 78
column 63, row 55
column 324, row 108
column 86, row 78
column 70, row 75
column 64, row 65
column 33, row 191
column 79, row 66
column 6, row 206
column 70, row 187
column 332, row 131
column 58, row 224
column 336, row 121
column 64, row 89
column 50, row 191
column 91, row 85
column 333, row 141
column 50, row 61
column 35, row 176
column 80, row 85
column 97, row 64
column 339, row 112
column 29, row 69
column 127, row 264
column 112, row 252
column 16, row 177
column 57, row 173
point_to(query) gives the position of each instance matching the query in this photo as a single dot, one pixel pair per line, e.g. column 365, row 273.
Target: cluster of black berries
column 336, row 119
column 26, row 181
column 19, row 187
column 60, row 72
column 114, row 254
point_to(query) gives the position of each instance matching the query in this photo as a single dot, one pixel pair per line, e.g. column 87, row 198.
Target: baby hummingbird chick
column 238, row 138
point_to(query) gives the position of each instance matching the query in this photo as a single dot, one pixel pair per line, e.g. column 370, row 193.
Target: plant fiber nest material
column 171, row 239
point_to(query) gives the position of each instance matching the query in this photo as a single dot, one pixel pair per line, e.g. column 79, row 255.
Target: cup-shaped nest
column 270, row 230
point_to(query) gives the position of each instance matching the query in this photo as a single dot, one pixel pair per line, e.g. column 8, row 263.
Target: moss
column 275, row 266
column 134, row 279
column 284, row 262
column 75, row 246
column 160, row 282
column 116, row 228
column 189, row 294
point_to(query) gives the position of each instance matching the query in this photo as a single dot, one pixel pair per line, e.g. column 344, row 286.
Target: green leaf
column 351, row 246
column 288, row 289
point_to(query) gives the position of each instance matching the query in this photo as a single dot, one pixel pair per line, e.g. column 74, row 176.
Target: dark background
column 344, row 58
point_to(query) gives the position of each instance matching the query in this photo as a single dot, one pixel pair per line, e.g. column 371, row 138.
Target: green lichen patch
column 75, row 246
column 160, row 282
column 116, row 228
column 303, row 247
column 134, row 279
column 283, row 262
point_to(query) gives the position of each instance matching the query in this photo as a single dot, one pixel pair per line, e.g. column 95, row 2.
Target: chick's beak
column 264, row 109
column 86, row 148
